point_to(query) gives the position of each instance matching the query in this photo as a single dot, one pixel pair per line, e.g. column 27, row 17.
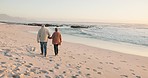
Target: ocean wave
column 126, row 34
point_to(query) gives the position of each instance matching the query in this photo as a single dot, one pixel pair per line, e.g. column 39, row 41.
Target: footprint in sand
column 50, row 60
column 2, row 76
column 96, row 58
column 116, row 68
column 59, row 76
column 16, row 76
column 16, row 69
column 101, row 62
column 30, row 48
column 111, row 63
column 33, row 70
column 131, row 70
column 88, row 58
column 87, row 75
column 47, row 76
column 44, row 71
column 31, row 64
column 3, row 62
column 73, row 76
column 28, row 66
column 27, row 73
column 133, row 73
column 1, row 71
column 64, row 72
column 143, row 66
column 106, row 62
column 79, row 72
column 4, row 66
column 6, row 52
column 99, row 67
column 108, row 56
column 78, row 67
column 138, row 77
column 99, row 73
column 123, row 61
column 71, row 57
column 88, row 68
column 56, row 67
column 83, row 62
column 68, row 65
column 94, row 70
column 10, row 58
column 145, row 69
column 124, row 76
column 78, row 54
column 84, row 54
column 51, row 71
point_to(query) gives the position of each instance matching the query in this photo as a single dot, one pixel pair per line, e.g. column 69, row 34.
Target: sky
column 119, row 11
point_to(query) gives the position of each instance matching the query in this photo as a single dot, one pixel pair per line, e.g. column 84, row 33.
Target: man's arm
column 38, row 36
column 60, row 39
column 48, row 34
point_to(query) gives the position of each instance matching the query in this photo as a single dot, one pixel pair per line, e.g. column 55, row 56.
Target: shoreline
column 120, row 47
column 20, row 56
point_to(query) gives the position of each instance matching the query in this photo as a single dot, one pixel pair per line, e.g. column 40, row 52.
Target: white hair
column 43, row 25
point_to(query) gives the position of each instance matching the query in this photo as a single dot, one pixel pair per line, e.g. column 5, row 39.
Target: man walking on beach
column 42, row 38
column 56, row 40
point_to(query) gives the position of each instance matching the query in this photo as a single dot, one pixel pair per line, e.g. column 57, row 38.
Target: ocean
column 114, row 33
column 125, row 38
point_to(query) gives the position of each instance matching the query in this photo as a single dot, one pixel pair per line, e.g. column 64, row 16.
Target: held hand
column 50, row 37
column 60, row 43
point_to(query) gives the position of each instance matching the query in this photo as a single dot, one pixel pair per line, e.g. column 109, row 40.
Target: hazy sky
column 132, row 11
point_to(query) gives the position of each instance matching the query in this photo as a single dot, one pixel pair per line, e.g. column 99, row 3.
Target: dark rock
column 76, row 26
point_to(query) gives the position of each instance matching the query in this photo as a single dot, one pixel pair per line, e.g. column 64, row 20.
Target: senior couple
column 43, row 36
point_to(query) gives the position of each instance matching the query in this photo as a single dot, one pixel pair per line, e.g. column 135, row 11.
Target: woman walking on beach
column 56, row 40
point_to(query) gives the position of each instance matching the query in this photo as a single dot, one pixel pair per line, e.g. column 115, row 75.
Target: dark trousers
column 56, row 49
column 43, row 47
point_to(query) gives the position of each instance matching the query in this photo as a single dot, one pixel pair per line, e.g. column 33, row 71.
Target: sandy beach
column 20, row 58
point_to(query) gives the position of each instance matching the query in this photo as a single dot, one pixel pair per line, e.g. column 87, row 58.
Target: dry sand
column 20, row 57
